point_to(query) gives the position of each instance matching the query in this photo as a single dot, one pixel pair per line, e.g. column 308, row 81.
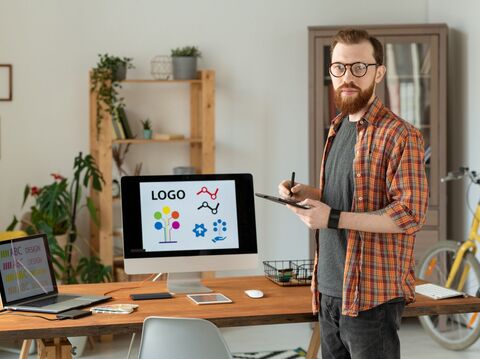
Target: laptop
column 27, row 280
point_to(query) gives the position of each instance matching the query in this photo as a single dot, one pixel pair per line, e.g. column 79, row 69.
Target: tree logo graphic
column 165, row 221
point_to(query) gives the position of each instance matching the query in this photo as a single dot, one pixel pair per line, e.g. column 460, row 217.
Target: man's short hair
column 356, row 36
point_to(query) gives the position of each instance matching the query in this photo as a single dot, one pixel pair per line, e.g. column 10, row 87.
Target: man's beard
column 353, row 104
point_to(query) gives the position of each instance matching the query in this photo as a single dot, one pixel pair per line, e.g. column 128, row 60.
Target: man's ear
column 380, row 73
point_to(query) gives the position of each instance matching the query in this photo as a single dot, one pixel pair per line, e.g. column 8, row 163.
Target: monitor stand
column 189, row 282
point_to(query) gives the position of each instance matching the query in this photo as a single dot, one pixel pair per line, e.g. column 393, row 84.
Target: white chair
column 181, row 338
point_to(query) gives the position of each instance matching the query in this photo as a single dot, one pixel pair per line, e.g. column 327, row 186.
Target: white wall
column 258, row 48
column 463, row 105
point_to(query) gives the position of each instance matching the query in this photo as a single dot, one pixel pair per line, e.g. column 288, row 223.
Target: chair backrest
column 181, row 338
column 11, row 235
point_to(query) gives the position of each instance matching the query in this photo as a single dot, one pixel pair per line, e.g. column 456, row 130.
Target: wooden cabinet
column 201, row 142
column 415, row 88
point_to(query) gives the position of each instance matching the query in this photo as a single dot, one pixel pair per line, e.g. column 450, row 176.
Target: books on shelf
column 121, row 126
column 118, row 132
column 428, row 154
column 124, row 121
column 168, row 136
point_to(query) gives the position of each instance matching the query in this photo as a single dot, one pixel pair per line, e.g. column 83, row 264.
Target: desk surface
column 280, row 305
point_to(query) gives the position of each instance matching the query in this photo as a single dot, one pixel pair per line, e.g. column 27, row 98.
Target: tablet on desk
column 281, row 200
column 209, row 298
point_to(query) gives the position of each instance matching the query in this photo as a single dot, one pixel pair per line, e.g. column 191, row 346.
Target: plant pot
column 121, row 73
column 184, row 68
column 147, row 134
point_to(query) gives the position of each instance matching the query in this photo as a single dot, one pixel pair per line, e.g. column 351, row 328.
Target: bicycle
column 453, row 265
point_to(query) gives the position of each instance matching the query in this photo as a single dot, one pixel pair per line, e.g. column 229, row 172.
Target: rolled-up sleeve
column 408, row 187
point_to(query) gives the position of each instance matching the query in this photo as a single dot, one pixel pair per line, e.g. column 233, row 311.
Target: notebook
column 27, row 280
column 437, row 292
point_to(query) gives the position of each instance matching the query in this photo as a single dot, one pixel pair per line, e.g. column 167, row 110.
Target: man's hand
column 299, row 192
column 316, row 217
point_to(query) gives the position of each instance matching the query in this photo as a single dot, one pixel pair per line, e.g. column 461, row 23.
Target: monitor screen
column 185, row 223
column 25, row 268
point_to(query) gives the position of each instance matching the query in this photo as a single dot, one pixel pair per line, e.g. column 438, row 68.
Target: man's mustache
column 349, row 85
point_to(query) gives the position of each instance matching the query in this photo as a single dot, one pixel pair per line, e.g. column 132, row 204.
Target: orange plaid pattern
column 389, row 173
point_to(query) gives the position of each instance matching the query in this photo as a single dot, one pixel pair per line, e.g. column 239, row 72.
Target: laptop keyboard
column 49, row 301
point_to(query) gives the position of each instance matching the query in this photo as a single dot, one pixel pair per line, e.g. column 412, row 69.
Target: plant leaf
column 12, row 224
column 93, row 211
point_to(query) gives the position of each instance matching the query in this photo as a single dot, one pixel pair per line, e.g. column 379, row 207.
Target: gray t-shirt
column 338, row 194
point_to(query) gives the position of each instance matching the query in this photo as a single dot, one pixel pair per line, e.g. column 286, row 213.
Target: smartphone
column 145, row 296
column 73, row 314
column 281, row 200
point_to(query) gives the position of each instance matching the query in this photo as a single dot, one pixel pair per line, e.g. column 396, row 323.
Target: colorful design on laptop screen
column 25, row 269
column 189, row 215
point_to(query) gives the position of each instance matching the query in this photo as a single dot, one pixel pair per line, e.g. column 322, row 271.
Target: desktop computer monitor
column 187, row 224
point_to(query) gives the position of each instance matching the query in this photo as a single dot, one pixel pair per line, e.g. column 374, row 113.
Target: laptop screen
column 25, row 269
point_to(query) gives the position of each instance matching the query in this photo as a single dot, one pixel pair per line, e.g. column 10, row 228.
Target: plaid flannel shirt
column 389, row 173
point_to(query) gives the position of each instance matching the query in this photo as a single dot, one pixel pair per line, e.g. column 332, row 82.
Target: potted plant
column 54, row 212
column 106, row 79
column 147, row 128
column 184, row 62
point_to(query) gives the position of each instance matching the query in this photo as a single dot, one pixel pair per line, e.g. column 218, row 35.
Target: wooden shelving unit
column 201, row 142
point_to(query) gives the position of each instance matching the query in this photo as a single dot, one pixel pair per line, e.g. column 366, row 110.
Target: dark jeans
column 373, row 334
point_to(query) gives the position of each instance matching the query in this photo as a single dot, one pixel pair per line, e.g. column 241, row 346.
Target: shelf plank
column 142, row 140
column 152, row 81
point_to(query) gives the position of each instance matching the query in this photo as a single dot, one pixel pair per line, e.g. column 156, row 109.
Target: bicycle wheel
column 452, row 331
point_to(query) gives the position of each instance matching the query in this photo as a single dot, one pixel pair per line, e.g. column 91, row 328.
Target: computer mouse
column 254, row 293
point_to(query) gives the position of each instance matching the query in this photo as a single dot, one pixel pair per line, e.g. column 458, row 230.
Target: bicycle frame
column 468, row 246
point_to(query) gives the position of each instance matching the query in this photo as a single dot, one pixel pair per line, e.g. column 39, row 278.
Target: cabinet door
column 411, row 91
column 322, row 107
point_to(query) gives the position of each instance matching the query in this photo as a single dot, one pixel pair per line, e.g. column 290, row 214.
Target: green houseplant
column 106, row 77
column 184, row 62
column 54, row 212
column 147, row 128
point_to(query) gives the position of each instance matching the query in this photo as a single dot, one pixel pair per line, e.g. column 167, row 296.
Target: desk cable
column 138, row 286
column 29, row 315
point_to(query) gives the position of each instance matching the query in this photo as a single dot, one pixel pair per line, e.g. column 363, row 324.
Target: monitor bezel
column 131, row 215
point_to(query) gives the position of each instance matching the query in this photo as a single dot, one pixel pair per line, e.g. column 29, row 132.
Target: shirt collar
column 371, row 116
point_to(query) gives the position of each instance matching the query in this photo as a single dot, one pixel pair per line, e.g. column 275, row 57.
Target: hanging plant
column 106, row 79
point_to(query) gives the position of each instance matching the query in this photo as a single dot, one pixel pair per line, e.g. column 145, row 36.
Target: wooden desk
column 280, row 305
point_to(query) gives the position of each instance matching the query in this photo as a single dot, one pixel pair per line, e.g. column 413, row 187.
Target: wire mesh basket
column 289, row 272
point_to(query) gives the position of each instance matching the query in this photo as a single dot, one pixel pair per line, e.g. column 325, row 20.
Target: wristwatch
column 333, row 218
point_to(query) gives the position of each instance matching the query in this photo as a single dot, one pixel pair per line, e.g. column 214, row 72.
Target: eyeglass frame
column 351, row 64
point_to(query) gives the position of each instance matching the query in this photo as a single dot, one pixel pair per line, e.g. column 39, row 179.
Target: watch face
column 115, row 188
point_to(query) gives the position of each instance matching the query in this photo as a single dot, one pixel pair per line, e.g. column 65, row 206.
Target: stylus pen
column 292, row 183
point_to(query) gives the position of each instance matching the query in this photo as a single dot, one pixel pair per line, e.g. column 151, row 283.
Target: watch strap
column 333, row 218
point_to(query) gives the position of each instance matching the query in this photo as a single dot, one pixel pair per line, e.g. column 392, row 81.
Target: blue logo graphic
column 199, row 230
column 219, row 227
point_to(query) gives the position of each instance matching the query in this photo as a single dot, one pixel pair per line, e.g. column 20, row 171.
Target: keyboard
column 437, row 292
column 48, row 301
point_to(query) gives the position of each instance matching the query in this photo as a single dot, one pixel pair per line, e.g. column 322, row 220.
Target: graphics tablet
column 280, row 200
column 209, row 298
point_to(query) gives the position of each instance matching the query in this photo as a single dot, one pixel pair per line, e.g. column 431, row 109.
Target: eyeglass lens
column 358, row 69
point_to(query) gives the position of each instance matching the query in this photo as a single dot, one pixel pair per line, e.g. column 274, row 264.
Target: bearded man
column 371, row 201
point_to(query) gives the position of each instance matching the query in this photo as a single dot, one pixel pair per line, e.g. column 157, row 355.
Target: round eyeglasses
column 358, row 69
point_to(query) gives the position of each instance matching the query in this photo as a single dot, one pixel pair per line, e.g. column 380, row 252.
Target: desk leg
column 312, row 352
column 25, row 349
column 57, row 348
